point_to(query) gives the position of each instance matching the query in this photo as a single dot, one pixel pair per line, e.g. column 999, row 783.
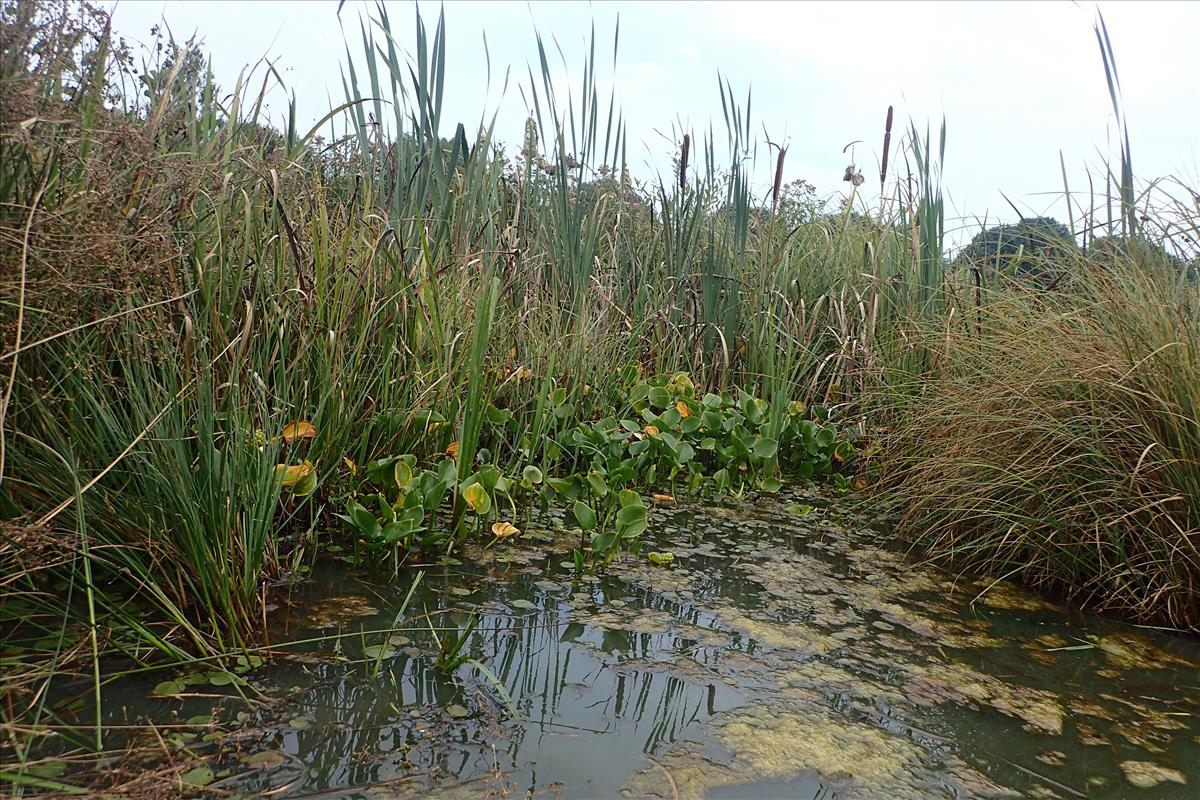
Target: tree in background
column 1032, row 250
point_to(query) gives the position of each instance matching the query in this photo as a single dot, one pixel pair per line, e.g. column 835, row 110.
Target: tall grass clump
column 1059, row 442
column 182, row 282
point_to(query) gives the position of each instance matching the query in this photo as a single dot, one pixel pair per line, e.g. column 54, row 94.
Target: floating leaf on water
column 524, row 604
column 617, row 603
column 168, row 688
column 1055, row 758
column 336, row 609
column 457, row 712
column 197, row 776
column 200, row 719
column 299, row 723
column 220, row 678
column 250, row 662
column 212, row 736
column 1147, row 774
column 378, row 651
column 549, row 585
column 264, row 759
column 398, row 640
column 460, row 591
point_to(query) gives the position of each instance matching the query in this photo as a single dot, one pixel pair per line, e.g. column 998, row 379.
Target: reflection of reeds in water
column 565, row 678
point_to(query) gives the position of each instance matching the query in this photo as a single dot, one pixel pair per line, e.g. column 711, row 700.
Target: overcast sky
column 1016, row 82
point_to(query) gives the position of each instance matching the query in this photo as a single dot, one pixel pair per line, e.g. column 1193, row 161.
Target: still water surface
column 785, row 653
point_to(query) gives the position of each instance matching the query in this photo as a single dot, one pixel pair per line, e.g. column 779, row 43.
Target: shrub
column 1034, row 249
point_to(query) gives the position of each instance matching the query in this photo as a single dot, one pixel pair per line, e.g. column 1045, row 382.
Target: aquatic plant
column 662, row 438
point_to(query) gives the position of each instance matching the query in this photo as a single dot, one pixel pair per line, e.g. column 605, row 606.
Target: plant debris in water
column 790, row 659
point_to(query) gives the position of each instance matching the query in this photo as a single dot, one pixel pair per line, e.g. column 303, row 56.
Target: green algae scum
column 784, row 652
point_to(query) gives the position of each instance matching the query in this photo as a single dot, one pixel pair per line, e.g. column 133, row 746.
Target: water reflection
column 778, row 657
column 586, row 696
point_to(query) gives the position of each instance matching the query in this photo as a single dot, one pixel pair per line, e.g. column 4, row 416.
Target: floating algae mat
column 783, row 653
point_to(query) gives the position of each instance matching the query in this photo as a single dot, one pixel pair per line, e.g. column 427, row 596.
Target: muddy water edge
column 787, row 651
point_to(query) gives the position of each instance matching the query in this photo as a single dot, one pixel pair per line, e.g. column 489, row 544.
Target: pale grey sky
column 1016, row 82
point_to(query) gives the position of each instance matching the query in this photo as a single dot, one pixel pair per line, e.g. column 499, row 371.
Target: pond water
column 785, row 653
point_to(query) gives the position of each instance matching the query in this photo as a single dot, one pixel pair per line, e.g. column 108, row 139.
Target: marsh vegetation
column 532, row 408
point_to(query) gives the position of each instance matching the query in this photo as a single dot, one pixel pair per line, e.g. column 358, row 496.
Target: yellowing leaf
column 402, row 473
column 300, row 429
column 683, row 409
column 291, row 475
column 651, row 430
column 682, row 384
column 477, row 498
column 664, row 499
column 350, row 465
column 859, row 482
column 503, row 530
column 452, row 450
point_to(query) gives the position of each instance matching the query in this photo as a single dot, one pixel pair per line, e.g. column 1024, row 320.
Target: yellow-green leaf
column 290, row 475
column 403, row 473
column 477, row 498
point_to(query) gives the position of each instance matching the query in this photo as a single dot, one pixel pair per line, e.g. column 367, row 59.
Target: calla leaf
column 300, row 429
column 477, row 498
column 290, row 475
column 503, row 530
column 584, row 515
